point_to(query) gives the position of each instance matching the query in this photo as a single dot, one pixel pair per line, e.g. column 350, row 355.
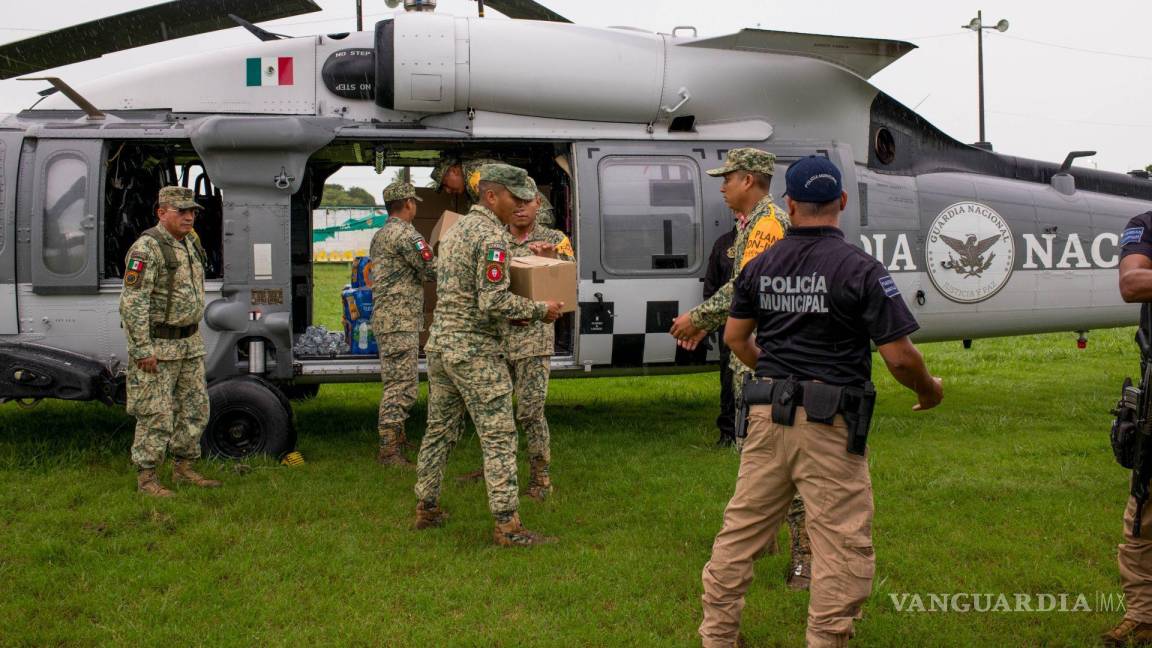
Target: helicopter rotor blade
column 155, row 24
column 525, row 10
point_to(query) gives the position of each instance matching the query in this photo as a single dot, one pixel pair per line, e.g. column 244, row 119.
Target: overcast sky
column 1065, row 76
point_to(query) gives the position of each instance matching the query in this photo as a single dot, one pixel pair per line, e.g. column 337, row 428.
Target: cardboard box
column 544, row 279
column 447, row 220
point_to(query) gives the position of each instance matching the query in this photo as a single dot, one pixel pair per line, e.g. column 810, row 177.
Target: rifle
column 1132, row 429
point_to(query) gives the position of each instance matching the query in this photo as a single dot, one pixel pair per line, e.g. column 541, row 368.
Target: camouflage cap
column 545, row 216
column 515, row 179
column 440, row 170
column 400, row 190
column 752, row 160
column 178, row 197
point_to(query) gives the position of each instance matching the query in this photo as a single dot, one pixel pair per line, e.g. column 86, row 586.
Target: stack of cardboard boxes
column 436, row 209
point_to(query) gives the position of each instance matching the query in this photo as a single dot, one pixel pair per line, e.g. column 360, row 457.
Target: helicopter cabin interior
column 539, row 159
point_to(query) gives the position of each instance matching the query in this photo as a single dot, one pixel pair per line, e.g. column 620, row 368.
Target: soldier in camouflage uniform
column 467, row 365
column 747, row 173
column 160, row 309
column 530, row 345
column 457, row 177
column 401, row 263
column 545, row 216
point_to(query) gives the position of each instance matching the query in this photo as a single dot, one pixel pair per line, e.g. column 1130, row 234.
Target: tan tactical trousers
column 1135, row 558
column 778, row 461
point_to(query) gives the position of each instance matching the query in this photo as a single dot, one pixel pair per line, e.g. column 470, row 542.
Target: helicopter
column 979, row 243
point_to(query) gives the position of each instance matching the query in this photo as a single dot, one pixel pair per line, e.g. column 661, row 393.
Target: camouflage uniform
column 467, row 366
column 401, row 263
column 546, row 216
column 763, row 227
column 171, row 405
column 470, row 170
column 530, row 350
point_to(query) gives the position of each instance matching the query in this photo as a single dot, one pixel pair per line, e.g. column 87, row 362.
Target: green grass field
column 1009, row 487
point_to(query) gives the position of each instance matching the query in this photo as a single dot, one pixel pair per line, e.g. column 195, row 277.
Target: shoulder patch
column 422, row 248
column 494, row 273
column 496, row 255
column 1132, row 235
column 889, row 286
column 137, row 262
column 565, row 247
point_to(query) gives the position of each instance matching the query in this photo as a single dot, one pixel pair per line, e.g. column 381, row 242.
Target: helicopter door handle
column 685, row 97
column 600, row 300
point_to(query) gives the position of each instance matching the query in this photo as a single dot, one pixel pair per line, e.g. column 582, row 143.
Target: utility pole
column 977, row 25
column 359, row 15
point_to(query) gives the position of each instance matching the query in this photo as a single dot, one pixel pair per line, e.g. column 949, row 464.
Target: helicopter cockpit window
column 650, row 215
column 135, row 172
column 65, row 199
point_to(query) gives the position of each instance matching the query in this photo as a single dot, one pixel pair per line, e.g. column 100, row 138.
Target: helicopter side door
column 9, row 159
column 65, row 207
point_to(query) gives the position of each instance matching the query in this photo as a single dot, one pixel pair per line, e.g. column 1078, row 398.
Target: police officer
column 1135, row 555
column 466, row 354
column 401, row 263
column 804, row 313
column 719, row 272
column 160, row 310
column 530, row 345
column 747, row 175
column 457, row 177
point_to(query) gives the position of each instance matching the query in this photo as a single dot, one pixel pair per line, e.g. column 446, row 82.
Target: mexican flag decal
column 270, row 71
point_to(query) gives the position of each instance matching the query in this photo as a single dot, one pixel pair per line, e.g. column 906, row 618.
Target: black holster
column 741, row 422
column 858, row 406
column 785, row 398
column 821, row 401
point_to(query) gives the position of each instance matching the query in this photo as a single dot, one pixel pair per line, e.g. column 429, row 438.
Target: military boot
column 392, row 448
column 513, row 534
column 429, row 515
column 1128, row 632
column 800, row 568
column 182, row 473
column 540, row 487
column 147, row 483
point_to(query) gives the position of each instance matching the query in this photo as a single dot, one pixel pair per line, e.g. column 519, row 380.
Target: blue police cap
column 813, row 179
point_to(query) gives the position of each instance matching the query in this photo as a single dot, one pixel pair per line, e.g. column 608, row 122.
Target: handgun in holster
column 785, row 398
column 858, row 416
column 742, row 408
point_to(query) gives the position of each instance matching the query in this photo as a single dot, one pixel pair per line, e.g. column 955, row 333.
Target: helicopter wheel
column 300, row 392
column 249, row 416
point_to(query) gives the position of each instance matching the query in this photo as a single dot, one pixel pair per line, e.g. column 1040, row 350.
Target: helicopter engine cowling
column 435, row 63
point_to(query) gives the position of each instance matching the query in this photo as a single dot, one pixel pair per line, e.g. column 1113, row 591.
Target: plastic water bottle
column 362, row 336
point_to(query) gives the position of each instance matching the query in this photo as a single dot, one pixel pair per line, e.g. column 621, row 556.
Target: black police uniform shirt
column 720, row 263
column 1137, row 239
column 817, row 301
